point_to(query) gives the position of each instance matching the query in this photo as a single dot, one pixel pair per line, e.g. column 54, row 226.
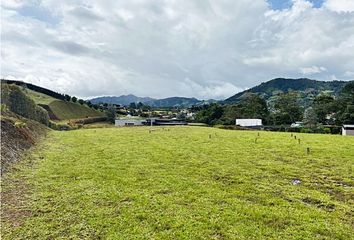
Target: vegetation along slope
column 58, row 106
column 182, row 183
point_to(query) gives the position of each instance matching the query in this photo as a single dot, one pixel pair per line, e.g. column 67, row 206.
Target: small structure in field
column 348, row 130
column 128, row 122
column 249, row 122
column 297, row 125
column 165, row 122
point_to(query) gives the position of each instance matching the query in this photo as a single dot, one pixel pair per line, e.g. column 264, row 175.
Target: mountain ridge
column 154, row 102
column 277, row 85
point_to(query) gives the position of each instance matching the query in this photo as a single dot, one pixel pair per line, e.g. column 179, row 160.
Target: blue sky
column 283, row 4
column 159, row 48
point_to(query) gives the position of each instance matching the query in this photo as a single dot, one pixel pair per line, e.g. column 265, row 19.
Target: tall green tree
column 67, row 97
column 310, row 117
column 111, row 114
column 287, row 108
column 253, row 106
column 345, row 104
column 250, row 106
column 324, row 106
column 211, row 114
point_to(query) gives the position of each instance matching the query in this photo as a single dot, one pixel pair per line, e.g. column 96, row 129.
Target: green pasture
column 182, row 183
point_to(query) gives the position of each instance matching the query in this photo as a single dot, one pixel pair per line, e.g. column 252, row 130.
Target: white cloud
column 205, row 49
column 340, row 5
column 13, row 3
column 349, row 74
column 312, row 70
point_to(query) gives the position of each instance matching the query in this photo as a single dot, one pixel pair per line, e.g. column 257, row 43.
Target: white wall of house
column 348, row 130
column 249, row 122
column 128, row 122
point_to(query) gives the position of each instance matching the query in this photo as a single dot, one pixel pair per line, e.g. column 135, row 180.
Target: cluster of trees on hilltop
column 16, row 101
column 286, row 109
column 36, row 88
column 56, row 95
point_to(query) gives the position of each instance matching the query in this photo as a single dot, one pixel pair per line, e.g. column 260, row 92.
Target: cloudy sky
column 161, row 48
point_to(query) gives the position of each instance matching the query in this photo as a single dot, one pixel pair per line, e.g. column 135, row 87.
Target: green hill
column 308, row 87
column 68, row 110
column 57, row 108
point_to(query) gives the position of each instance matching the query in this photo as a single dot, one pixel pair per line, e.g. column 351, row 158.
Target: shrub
column 306, row 130
column 327, row 130
column 60, row 126
column 20, row 124
column 4, row 108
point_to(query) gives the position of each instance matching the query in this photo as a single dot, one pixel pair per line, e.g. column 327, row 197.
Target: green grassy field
column 185, row 183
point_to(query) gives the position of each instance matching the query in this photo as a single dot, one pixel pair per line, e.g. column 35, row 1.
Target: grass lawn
column 185, row 183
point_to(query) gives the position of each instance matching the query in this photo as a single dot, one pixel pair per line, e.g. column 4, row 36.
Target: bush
column 60, row 126
column 19, row 124
column 87, row 120
column 111, row 114
column 306, row 130
column 327, row 130
column 4, row 108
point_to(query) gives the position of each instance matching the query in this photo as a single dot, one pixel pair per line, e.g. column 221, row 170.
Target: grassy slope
column 69, row 110
column 62, row 109
column 126, row 183
column 39, row 98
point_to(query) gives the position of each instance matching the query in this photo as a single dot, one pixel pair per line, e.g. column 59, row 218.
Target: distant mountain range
column 269, row 90
column 307, row 88
column 122, row 100
column 165, row 102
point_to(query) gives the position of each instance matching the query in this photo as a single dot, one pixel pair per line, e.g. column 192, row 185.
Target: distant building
column 348, row 130
column 132, row 121
column 164, row 122
column 249, row 122
column 128, row 122
column 297, row 125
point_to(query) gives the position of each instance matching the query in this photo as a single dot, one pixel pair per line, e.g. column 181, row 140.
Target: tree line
column 56, row 95
column 286, row 109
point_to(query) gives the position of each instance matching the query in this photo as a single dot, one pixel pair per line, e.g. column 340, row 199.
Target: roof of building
column 248, row 119
column 348, row 126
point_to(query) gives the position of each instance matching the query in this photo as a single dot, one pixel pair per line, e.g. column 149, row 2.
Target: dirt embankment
column 17, row 135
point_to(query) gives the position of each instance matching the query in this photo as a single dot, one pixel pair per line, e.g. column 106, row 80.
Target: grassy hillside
column 63, row 110
column 57, row 109
column 39, row 98
column 69, row 110
column 185, row 183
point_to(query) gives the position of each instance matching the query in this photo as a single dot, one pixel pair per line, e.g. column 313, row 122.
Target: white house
column 128, row 122
column 249, row 122
column 348, row 130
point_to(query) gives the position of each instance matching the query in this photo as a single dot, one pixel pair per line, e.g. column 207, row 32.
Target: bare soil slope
column 17, row 135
